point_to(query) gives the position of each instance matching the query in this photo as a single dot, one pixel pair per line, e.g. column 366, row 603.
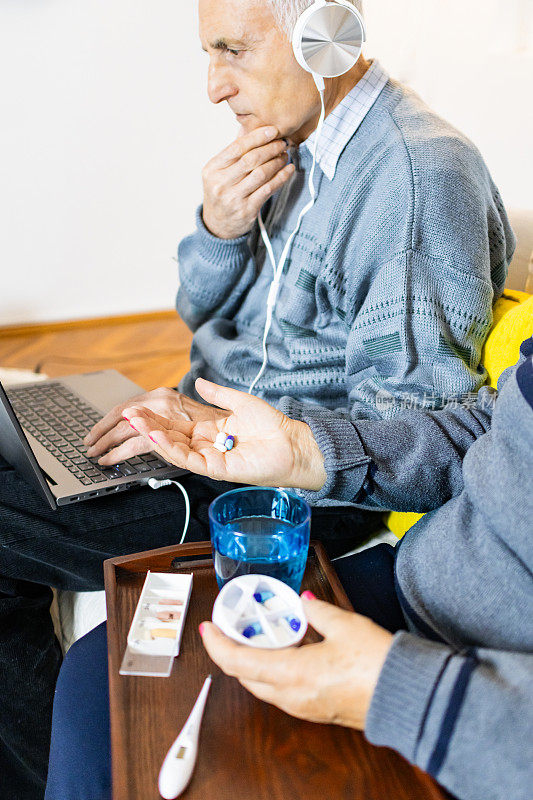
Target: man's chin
column 248, row 123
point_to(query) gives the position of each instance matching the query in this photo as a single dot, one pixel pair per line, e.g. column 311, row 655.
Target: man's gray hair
column 286, row 12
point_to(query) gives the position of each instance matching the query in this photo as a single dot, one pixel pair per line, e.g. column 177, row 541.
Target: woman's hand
column 332, row 681
column 270, row 449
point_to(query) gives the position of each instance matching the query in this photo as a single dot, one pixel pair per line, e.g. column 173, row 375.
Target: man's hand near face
column 240, row 179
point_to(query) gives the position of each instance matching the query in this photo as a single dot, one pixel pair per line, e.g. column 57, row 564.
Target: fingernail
column 201, row 627
column 270, row 132
column 308, row 595
column 90, row 451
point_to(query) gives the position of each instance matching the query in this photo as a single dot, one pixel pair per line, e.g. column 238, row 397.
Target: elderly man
column 388, row 290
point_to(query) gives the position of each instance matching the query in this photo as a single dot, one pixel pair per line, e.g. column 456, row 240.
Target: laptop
column 42, row 427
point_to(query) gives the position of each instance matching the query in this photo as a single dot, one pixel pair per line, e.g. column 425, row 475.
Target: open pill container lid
column 260, row 611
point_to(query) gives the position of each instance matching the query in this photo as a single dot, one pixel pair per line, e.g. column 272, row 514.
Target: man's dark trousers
column 65, row 548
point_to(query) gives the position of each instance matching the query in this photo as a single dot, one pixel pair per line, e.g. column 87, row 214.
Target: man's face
column 252, row 67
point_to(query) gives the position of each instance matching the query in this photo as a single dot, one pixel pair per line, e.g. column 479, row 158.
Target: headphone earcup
column 297, row 36
column 328, row 38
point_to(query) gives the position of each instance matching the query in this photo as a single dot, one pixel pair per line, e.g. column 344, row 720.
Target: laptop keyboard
column 60, row 420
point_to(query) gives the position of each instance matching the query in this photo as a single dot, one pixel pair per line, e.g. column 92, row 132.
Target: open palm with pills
column 270, row 449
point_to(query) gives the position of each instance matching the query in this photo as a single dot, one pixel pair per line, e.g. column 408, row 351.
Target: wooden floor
column 151, row 349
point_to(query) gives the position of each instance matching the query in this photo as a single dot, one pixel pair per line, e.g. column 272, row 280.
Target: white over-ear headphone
column 328, row 37
column 327, row 41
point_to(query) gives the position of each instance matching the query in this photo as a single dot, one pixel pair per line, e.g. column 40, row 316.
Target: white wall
column 105, row 125
column 104, row 129
column 472, row 61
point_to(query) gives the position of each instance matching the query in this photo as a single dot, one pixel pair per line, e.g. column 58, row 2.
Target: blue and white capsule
column 254, row 629
column 294, row 623
column 263, row 597
column 223, row 442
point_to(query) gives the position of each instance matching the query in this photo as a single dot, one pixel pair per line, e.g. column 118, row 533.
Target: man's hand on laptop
column 113, row 440
column 240, row 179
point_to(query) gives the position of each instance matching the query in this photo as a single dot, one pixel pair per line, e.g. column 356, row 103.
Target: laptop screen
column 15, row 448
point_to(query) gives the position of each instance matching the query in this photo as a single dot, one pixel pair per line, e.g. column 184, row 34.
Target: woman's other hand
column 332, row 681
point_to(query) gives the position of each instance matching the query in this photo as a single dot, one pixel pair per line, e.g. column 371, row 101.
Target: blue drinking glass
column 260, row 530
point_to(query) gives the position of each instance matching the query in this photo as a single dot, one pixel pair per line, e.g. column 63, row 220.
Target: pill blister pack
column 260, row 611
column 155, row 633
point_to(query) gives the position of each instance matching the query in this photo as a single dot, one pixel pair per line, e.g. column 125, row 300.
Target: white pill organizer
column 260, row 611
column 156, row 630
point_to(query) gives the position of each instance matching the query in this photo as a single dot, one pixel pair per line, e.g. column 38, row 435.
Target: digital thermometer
column 178, row 766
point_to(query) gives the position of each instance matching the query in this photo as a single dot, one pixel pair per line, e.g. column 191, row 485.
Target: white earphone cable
column 153, row 483
column 278, row 268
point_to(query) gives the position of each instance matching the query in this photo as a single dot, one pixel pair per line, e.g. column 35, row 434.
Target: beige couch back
column 522, row 224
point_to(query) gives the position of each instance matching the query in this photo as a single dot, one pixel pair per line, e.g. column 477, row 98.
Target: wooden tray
column 249, row 750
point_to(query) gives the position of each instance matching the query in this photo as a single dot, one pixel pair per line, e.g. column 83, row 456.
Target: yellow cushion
column 399, row 522
column 512, row 324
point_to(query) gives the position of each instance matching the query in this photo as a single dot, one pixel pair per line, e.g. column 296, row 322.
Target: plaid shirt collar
column 341, row 124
